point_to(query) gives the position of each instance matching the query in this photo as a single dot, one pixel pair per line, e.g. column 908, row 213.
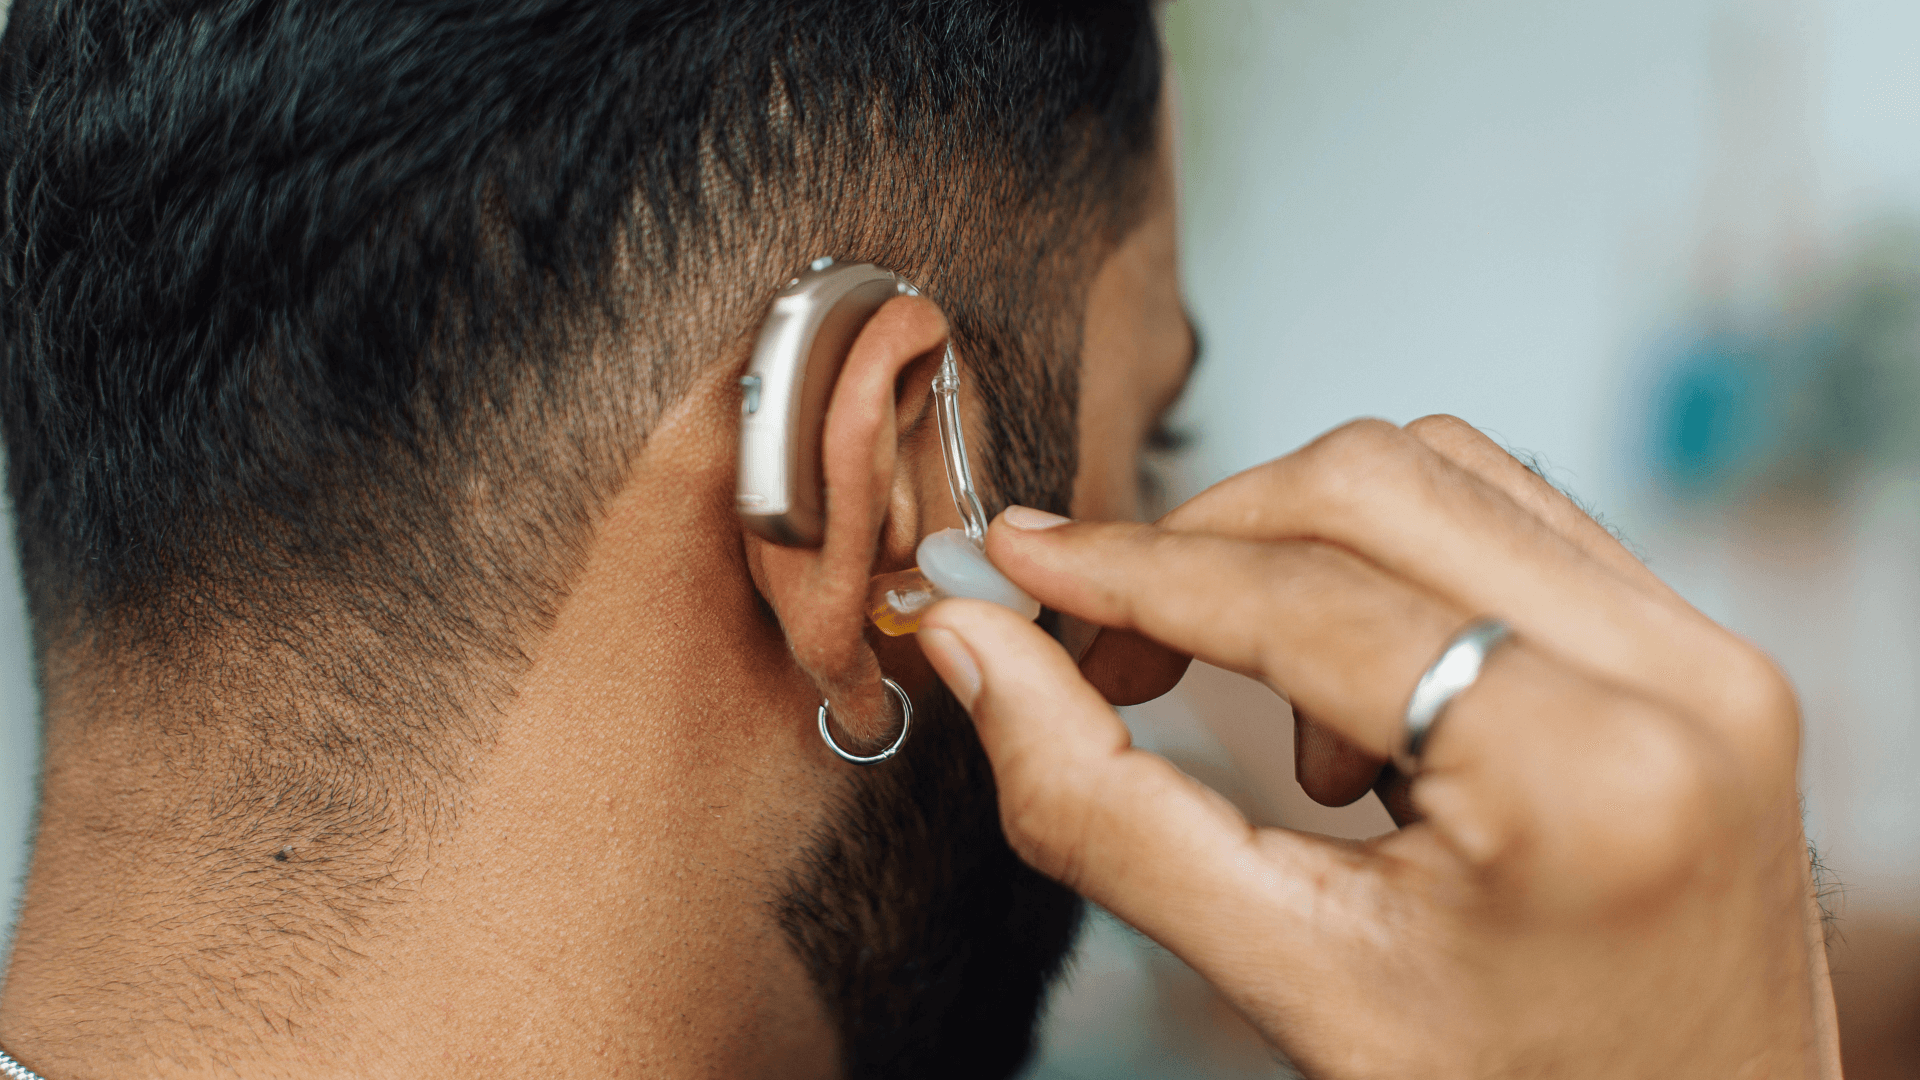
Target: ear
column 876, row 452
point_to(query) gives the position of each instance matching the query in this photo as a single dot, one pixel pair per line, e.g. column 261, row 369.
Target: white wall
column 19, row 740
column 19, row 725
column 1398, row 207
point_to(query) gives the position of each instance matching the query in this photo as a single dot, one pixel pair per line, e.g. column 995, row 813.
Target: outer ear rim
column 803, row 345
column 818, row 595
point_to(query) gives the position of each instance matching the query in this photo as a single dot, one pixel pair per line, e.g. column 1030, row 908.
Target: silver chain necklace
column 13, row 1070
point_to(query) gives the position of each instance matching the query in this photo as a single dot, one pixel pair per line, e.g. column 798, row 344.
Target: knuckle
column 1030, row 833
column 1759, row 700
column 1355, row 442
column 1029, row 844
column 1047, row 830
column 1666, row 802
column 1159, row 553
column 1444, row 427
column 1106, row 572
column 1340, row 467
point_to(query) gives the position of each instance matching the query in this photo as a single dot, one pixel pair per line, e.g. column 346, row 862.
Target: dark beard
column 931, row 942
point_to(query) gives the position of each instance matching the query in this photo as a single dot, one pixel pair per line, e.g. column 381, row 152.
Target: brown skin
column 1610, row 877
column 604, row 903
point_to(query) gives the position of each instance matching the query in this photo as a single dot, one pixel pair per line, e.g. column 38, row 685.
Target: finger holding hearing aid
column 1602, row 803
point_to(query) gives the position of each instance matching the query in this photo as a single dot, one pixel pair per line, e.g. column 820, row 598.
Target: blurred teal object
column 1802, row 398
column 1711, row 425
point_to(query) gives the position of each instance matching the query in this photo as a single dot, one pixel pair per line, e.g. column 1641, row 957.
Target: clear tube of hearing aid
column 952, row 562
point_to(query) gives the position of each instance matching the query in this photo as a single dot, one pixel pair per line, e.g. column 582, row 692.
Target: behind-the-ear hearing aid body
column 784, row 395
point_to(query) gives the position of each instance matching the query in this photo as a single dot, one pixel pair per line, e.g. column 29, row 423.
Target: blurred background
column 1671, row 248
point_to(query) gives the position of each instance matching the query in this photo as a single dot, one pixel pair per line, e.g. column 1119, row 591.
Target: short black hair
column 302, row 300
column 329, row 325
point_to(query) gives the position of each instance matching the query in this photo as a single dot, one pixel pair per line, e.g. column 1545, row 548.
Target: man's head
column 343, row 345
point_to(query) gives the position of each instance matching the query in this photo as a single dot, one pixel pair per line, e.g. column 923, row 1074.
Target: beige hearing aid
column 784, row 394
column 783, row 406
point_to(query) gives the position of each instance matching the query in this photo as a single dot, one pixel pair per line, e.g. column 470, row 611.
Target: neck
column 600, row 898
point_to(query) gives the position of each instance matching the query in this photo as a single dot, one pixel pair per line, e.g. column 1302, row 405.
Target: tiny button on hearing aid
column 952, row 562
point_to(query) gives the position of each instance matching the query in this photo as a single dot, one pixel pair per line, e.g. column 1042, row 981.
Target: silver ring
column 906, row 723
column 1457, row 669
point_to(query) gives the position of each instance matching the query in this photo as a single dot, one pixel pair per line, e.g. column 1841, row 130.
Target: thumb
column 1119, row 825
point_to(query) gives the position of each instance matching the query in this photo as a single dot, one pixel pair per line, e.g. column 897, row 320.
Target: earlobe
column 819, row 594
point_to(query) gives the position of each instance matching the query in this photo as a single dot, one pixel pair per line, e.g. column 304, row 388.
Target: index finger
column 1126, row 828
column 1339, row 637
column 1470, row 449
column 1376, row 490
column 1535, row 755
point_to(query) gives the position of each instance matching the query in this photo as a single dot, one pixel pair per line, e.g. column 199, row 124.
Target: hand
column 1607, row 876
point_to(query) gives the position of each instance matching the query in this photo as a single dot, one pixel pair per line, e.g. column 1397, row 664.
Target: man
column 417, row 705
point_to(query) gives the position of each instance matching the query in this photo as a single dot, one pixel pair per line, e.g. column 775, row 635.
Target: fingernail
column 1026, row 517
column 954, row 662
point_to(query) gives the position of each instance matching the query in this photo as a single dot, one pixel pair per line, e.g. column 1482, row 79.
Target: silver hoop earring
column 906, row 724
